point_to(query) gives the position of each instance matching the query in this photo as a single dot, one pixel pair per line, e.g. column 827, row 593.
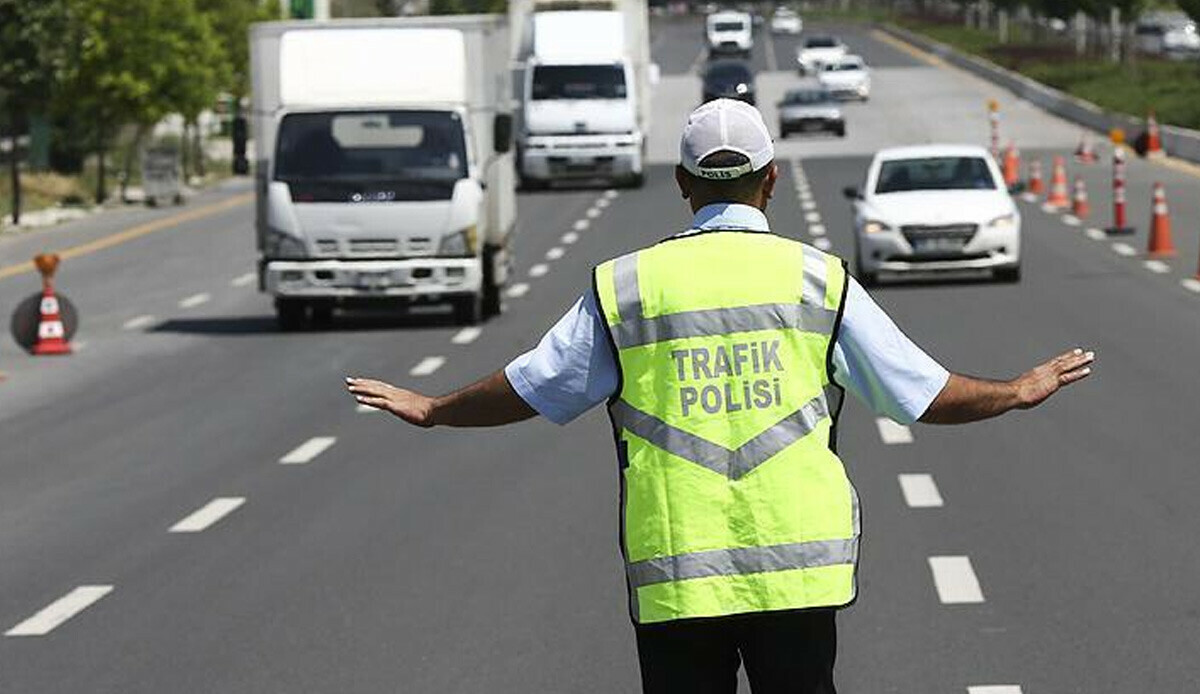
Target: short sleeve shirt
column 573, row 367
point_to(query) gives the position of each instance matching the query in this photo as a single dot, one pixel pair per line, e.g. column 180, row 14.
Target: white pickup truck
column 383, row 170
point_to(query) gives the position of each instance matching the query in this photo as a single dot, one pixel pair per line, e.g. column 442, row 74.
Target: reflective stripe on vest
column 733, row 500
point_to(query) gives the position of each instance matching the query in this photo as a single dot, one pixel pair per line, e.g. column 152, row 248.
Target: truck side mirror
column 238, row 132
column 852, row 193
column 502, row 133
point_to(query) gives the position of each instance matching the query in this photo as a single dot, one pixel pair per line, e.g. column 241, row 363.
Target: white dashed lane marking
column 539, row 270
column 555, row 253
column 994, row 689
column 1191, row 284
column 920, row 491
column 467, row 335
column 1157, row 266
column 822, row 243
column 602, row 203
column 243, row 280
column 955, row 580
column 816, row 229
column 195, row 300
column 611, row 194
column 1124, row 249
column 427, row 366
column 138, row 322
column 891, row 432
column 307, row 451
column 208, row 514
column 1095, row 234
column 1070, row 220
column 518, row 290
column 581, row 224
column 812, row 217
column 59, row 611
column 808, row 205
column 570, row 237
column 593, row 212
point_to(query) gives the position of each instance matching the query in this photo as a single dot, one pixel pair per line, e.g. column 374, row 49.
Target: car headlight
column 279, row 245
column 460, row 243
column 874, row 227
column 1006, row 221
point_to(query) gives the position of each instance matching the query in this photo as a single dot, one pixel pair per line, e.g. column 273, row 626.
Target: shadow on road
column 235, row 326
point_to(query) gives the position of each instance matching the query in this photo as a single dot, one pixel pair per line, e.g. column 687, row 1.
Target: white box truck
column 383, row 164
column 583, row 76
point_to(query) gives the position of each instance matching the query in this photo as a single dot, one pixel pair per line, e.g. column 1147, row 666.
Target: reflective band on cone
column 1079, row 204
column 1120, row 224
column 52, row 335
column 1058, row 186
column 1036, row 186
column 1160, row 226
column 1154, row 146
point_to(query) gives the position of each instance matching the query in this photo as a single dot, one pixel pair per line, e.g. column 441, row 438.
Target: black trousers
column 788, row 652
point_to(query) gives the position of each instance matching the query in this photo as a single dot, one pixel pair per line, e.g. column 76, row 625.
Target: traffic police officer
column 723, row 353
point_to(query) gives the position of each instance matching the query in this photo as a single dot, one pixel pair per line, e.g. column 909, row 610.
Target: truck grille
column 374, row 246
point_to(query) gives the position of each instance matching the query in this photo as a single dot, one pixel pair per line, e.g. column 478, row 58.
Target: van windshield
column 934, row 173
column 578, row 82
column 729, row 26
column 401, row 155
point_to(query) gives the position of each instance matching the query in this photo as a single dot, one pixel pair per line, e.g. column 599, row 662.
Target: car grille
column 958, row 232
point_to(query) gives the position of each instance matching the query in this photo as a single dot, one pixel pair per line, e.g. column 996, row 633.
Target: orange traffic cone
column 1160, row 226
column 1058, row 186
column 1012, row 167
column 1154, row 146
column 52, row 334
column 1085, row 153
column 1035, row 185
column 1079, row 202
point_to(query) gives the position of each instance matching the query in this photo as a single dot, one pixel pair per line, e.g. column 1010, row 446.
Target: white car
column 729, row 33
column 935, row 208
column 846, row 78
column 786, row 21
column 818, row 50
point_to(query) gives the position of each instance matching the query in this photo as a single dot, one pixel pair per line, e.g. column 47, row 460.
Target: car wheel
column 840, row 130
column 290, row 314
column 531, row 184
column 783, row 133
column 636, row 180
column 1009, row 275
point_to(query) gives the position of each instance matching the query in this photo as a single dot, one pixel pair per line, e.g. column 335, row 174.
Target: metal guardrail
column 1178, row 142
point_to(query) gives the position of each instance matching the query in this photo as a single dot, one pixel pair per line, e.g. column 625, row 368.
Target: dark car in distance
column 729, row 79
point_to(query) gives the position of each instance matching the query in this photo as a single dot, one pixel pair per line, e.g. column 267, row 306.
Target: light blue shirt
column 573, row 368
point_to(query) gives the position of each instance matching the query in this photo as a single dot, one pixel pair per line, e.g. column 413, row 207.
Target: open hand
column 1034, row 386
column 410, row 406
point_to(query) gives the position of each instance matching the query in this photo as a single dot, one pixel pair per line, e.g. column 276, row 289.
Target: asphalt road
column 396, row 559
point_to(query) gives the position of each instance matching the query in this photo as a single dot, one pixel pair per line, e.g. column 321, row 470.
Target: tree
column 31, row 56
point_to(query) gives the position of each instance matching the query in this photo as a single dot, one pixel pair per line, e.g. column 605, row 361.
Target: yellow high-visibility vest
column 733, row 498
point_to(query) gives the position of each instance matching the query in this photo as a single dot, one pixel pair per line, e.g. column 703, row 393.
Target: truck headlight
column 1006, row 221
column 874, row 227
column 279, row 245
column 461, row 243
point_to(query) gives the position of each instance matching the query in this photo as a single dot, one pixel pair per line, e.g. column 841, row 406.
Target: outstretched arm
column 965, row 399
column 490, row 401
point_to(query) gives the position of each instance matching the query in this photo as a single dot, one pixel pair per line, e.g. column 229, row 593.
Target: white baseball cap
column 725, row 125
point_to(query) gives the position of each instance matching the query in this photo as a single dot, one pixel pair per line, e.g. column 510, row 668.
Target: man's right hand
column 1039, row 383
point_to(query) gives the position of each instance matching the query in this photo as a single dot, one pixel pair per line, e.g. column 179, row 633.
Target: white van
column 730, row 33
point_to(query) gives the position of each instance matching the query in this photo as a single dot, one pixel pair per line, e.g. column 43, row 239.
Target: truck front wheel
column 290, row 314
column 468, row 310
column 492, row 304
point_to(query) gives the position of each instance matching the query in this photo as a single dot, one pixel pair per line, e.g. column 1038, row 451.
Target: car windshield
column 821, row 42
column 934, row 173
column 843, row 67
column 807, row 97
column 578, row 82
column 729, row 26
column 379, row 146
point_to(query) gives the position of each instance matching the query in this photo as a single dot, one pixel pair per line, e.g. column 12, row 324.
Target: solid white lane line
column 539, row 270
column 195, row 300
column 138, row 322
column 59, row 611
column 243, row 280
column 1095, row 234
column 822, row 243
column 593, row 212
column 1157, row 266
column 816, row 229
column 518, row 290
column 994, row 689
column 1124, row 249
column 570, row 237
column 307, row 451
column 1191, row 284
column 555, row 253
column 955, row 580
column 893, row 433
column 427, row 366
column 920, row 491
column 581, row 224
column 208, row 514
column 467, row 335
column 1070, row 220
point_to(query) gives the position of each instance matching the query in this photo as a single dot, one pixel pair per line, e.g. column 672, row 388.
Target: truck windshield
column 578, row 82
column 934, row 173
column 407, row 150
